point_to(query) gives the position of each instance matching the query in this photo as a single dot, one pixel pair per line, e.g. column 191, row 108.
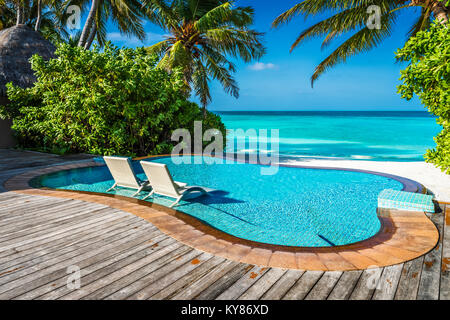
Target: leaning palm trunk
column 204, row 35
column 39, row 15
column 89, row 23
column 92, row 35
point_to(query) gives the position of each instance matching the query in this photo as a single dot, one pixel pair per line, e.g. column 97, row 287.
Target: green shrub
column 110, row 102
column 428, row 76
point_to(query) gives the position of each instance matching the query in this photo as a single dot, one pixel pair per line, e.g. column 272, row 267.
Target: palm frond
column 422, row 22
column 159, row 48
column 237, row 42
column 159, row 13
column 221, row 73
column 214, row 18
column 342, row 22
column 200, row 83
column 362, row 41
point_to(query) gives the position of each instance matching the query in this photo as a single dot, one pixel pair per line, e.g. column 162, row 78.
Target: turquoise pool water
column 388, row 136
column 295, row 207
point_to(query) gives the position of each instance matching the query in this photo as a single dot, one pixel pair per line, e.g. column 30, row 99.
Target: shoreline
column 436, row 181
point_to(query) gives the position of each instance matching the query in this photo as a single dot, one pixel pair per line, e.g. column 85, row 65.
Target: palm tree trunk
column 91, row 36
column 89, row 22
column 440, row 12
column 39, row 15
column 19, row 12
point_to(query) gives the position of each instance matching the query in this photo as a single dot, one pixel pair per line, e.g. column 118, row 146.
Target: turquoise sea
column 389, row 136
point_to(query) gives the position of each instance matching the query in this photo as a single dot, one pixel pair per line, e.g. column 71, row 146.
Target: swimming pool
column 295, row 207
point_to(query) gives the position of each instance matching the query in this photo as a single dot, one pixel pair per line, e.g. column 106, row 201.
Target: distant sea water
column 387, row 136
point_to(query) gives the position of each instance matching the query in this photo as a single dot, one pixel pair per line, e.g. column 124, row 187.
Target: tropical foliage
column 428, row 76
column 110, row 102
column 349, row 20
column 203, row 37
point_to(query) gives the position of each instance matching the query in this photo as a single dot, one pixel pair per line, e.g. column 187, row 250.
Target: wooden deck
column 45, row 240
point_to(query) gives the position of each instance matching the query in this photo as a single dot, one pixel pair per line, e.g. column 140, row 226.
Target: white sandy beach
column 428, row 175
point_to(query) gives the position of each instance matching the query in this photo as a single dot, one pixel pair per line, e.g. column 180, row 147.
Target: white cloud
column 259, row 66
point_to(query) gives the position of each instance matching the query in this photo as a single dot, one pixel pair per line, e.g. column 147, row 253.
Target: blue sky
column 281, row 80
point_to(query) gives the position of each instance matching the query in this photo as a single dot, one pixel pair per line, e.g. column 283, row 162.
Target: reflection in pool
column 294, row 207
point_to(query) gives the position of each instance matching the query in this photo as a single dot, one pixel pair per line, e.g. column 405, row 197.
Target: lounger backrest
column 160, row 178
column 122, row 171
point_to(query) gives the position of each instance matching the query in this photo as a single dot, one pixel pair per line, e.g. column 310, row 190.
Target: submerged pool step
column 401, row 200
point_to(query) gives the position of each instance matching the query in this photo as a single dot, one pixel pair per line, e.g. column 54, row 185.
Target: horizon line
column 425, row 111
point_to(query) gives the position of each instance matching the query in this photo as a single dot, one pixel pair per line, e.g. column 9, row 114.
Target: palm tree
column 45, row 16
column 126, row 14
column 351, row 19
column 202, row 36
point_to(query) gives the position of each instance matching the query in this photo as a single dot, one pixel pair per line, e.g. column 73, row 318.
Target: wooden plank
column 114, row 282
column 104, row 212
column 71, row 228
column 28, row 209
column 31, row 209
column 279, row 288
column 367, row 284
column 196, row 287
column 49, row 253
column 172, row 272
column 408, row 285
column 41, row 218
column 388, row 283
column 133, row 285
column 21, row 205
column 31, row 239
column 80, row 258
column 240, row 286
column 302, row 287
column 37, row 225
column 17, row 207
column 180, row 284
column 29, row 282
column 128, row 254
column 222, row 284
column 68, row 234
column 263, row 284
column 431, row 272
column 22, row 201
column 96, row 272
column 121, row 225
column 49, row 224
column 323, row 287
column 444, row 293
column 344, row 287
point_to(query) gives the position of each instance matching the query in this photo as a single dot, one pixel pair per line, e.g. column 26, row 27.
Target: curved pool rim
column 192, row 232
column 408, row 186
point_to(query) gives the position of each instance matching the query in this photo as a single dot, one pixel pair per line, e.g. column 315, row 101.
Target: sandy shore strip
column 431, row 177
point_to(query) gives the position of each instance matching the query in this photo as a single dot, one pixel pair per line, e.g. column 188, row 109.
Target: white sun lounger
column 123, row 174
column 163, row 184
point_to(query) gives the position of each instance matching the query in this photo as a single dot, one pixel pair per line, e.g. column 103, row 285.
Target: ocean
column 380, row 136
